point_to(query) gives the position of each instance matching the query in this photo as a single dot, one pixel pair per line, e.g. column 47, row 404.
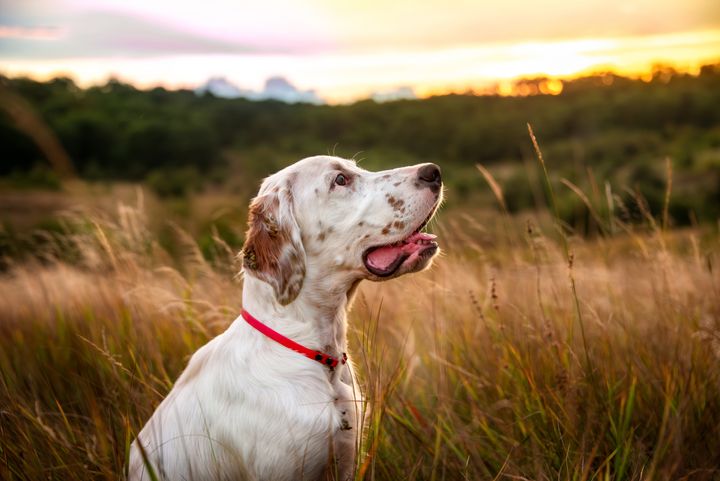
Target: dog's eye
column 341, row 179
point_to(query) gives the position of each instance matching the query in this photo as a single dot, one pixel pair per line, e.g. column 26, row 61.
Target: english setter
column 273, row 397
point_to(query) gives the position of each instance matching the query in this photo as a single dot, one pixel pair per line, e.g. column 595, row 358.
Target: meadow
column 570, row 330
column 525, row 352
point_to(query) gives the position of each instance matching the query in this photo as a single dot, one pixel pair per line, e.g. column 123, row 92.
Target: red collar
column 322, row 358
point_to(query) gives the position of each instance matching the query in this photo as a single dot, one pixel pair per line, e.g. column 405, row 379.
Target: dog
column 274, row 398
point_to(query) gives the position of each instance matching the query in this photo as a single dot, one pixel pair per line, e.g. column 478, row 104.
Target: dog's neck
column 315, row 319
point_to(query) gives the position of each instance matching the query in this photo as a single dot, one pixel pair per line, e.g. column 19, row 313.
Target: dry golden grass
column 488, row 366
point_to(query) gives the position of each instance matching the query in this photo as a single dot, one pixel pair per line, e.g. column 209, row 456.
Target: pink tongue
column 383, row 257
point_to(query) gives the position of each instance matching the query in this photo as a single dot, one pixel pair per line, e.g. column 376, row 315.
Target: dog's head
column 324, row 218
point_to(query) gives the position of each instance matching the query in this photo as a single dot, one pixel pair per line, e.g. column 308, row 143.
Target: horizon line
column 519, row 86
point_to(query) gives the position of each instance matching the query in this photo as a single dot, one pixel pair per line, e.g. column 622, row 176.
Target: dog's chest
column 322, row 402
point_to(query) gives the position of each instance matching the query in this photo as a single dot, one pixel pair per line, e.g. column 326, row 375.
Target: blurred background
column 571, row 330
column 192, row 105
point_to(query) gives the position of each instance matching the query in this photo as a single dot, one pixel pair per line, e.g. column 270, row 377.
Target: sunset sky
column 350, row 49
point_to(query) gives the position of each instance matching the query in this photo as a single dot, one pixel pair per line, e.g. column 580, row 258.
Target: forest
column 600, row 129
column 570, row 329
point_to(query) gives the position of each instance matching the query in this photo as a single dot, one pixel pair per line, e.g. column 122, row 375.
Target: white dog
column 273, row 397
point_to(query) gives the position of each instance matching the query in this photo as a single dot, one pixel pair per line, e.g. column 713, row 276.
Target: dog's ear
column 273, row 250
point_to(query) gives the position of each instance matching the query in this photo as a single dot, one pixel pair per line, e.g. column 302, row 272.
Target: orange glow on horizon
column 341, row 78
column 632, row 57
column 554, row 85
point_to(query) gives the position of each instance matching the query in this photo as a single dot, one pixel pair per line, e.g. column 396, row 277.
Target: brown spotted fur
column 272, row 250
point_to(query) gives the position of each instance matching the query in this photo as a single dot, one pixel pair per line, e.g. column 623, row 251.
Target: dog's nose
column 429, row 176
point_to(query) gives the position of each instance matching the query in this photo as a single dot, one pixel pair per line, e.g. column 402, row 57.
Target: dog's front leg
column 341, row 465
column 346, row 438
column 345, row 451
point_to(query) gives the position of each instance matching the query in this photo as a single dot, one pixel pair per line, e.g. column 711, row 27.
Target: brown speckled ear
column 273, row 250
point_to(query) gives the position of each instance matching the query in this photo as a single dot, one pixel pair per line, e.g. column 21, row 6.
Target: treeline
column 604, row 127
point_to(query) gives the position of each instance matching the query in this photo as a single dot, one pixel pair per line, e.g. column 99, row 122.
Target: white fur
column 248, row 408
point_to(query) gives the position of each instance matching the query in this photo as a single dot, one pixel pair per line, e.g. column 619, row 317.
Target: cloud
column 33, row 33
column 150, row 28
column 436, row 24
column 400, row 93
column 104, row 34
column 279, row 88
column 276, row 88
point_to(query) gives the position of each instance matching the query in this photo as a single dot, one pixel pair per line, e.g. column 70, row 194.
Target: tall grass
column 522, row 354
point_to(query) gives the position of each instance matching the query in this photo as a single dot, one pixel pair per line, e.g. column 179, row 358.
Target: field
column 524, row 353
column 570, row 330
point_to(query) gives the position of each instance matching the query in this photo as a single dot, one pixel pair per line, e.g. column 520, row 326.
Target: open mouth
column 385, row 260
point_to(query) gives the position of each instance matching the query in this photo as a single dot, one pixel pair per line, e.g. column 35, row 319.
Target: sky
column 348, row 49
